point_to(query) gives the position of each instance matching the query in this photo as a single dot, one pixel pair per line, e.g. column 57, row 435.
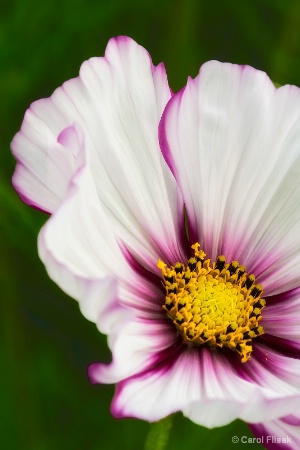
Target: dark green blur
column 46, row 399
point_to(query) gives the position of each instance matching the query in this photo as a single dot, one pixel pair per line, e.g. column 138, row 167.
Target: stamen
column 233, row 267
column 249, row 281
column 192, row 263
column 220, row 263
column 241, row 271
column 216, row 304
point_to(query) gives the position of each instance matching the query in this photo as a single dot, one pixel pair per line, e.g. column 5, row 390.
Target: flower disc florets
column 216, row 304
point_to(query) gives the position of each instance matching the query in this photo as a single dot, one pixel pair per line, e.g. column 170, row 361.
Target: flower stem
column 158, row 435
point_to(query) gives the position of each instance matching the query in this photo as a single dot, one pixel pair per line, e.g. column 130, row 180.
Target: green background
column 46, row 399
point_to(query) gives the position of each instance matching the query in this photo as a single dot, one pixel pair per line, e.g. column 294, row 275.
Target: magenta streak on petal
column 260, row 431
column 184, row 242
column 158, row 331
column 266, row 258
column 193, row 235
column 162, row 364
column 245, row 371
column 142, row 271
column 286, row 347
column 283, row 297
column 168, row 355
column 234, row 360
column 148, row 288
column 233, row 247
column 263, row 262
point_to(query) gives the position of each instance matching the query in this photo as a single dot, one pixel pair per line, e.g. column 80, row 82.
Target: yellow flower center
column 216, row 304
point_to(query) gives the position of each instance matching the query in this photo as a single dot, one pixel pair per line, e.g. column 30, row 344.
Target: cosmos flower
column 175, row 222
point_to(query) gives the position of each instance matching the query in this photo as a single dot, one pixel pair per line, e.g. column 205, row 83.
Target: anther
column 187, row 277
column 220, row 263
column 259, row 304
column 190, row 334
column 172, row 288
column 169, row 278
column 233, row 267
column 256, row 291
column 178, row 267
column 192, row 264
column 249, row 281
column 255, row 330
column 231, row 328
column 180, row 306
column 200, row 260
column 241, row 272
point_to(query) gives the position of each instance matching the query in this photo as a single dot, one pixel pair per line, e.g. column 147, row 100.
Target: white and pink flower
column 122, row 164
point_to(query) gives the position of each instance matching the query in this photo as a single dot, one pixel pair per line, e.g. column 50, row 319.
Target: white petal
column 117, row 101
column 158, row 393
column 204, row 387
column 232, row 141
column 134, row 185
column 281, row 434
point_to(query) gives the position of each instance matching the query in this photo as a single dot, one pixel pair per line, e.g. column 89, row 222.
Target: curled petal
column 46, row 162
column 117, row 101
column 134, row 346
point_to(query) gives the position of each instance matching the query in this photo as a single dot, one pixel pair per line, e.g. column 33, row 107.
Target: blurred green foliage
column 47, row 401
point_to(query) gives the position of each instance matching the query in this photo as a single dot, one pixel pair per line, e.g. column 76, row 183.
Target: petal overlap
column 117, row 101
